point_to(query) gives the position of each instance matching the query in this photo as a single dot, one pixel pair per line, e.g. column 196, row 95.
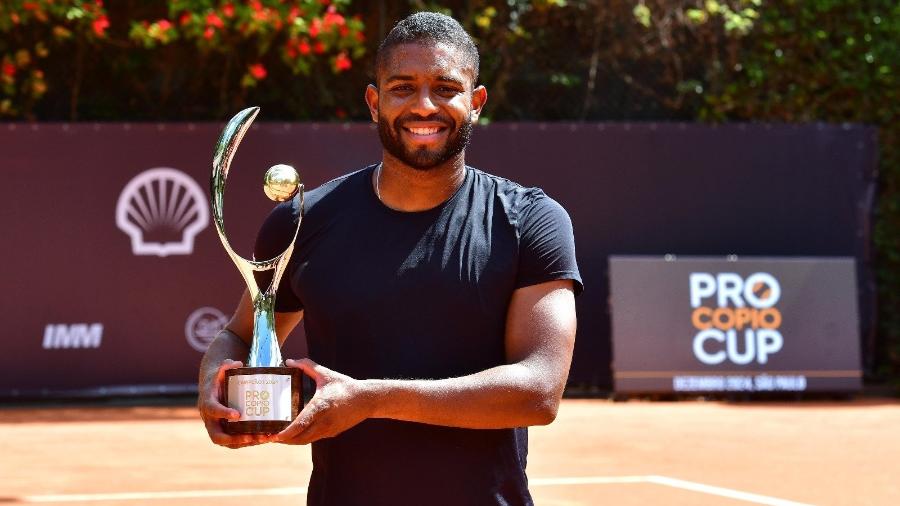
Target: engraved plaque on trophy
column 266, row 393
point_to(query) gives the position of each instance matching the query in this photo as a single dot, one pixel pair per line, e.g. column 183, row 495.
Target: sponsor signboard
column 703, row 324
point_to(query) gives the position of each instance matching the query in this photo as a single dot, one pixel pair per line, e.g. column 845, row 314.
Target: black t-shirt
column 417, row 295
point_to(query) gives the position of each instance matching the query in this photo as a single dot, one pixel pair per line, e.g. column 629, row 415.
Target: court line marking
column 669, row 482
column 723, row 492
column 174, row 494
column 535, row 482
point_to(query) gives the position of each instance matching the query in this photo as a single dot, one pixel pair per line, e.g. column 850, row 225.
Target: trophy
column 267, row 394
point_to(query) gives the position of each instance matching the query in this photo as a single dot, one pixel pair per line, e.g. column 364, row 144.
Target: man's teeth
column 424, row 131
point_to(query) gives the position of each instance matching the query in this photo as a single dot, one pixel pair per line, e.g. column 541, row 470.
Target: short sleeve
column 546, row 244
column 274, row 237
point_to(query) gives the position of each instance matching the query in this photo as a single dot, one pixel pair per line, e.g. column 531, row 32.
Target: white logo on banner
column 75, row 335
column 202, row 326
column 741, row 305
column 162, row 210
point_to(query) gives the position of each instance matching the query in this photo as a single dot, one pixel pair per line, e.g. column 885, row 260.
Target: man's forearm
column 513, row 395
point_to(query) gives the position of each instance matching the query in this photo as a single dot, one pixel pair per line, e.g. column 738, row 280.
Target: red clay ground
column 597, row 452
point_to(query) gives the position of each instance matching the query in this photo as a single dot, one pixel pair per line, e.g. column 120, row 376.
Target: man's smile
column 424, row 132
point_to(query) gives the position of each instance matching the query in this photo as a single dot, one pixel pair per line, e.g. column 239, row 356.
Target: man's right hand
column 213, row 412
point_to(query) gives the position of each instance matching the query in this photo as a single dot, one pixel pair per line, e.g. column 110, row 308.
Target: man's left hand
column 338, row 404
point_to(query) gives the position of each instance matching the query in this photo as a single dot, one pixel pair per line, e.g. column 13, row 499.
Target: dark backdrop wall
column 84, row 314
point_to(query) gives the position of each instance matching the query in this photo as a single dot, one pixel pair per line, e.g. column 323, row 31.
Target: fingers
column 303, row 429
column 226, row 365
column 212, row 411
column 327, row 413
column 291, row 434
column 211, row 406
column 218, row 436
column 215, row 411
column 310, row 368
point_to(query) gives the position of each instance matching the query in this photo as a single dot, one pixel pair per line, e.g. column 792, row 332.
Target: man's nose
column 424, row 106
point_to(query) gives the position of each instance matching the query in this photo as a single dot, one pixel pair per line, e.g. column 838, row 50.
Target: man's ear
column 372, row 101
column 479, row 98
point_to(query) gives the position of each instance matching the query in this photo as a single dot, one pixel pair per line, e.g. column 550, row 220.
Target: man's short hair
column 430, row 28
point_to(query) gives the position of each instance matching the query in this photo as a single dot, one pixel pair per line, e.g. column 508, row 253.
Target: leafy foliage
column 30, row 31
column 176, row 59
column 835, row 61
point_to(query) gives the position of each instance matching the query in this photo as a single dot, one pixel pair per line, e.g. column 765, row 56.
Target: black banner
column 114, row 277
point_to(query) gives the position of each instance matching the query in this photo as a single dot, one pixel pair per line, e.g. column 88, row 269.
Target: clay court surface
column 597, row 452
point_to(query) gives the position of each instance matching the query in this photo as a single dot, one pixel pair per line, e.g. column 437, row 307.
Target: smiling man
column 438, row 301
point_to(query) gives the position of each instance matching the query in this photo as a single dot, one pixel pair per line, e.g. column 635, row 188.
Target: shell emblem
column 162, row 210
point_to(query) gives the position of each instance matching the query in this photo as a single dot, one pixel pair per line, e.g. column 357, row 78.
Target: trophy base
column 268, row 398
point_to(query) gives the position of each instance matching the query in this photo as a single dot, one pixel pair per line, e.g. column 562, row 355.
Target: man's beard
column 423, row 158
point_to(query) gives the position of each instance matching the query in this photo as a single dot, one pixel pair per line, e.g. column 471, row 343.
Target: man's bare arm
column 227, row 351
column 540, row 336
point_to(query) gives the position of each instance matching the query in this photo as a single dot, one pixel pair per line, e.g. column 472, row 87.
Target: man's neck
column 404, row 188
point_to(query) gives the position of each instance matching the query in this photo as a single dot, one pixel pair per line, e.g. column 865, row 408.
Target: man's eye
column 402, row 88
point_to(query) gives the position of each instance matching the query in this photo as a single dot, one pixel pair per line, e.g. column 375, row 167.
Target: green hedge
column 835, row 61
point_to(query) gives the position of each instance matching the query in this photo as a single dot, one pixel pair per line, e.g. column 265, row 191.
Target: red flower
column 209, row 32
column 184, row 19
column 100, row 25
column 164, row 24
column 213, row 19
column 332, row 18
column 360, row 36
column 304, row 47
column 319, row 48
column 315, row 27
column 258, row 71
column 256, row 5
column 341, row 62
column 29, row 6
column 8, row 68
column 338, row 19
column 228, row 10
column 343, row 31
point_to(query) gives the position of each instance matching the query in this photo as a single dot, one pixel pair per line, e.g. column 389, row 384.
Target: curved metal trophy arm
column 264, row 348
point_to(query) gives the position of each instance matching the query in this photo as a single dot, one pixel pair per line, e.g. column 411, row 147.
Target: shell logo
column 162, row 210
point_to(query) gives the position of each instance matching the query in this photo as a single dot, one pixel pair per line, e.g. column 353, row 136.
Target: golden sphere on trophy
column 281, row 182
